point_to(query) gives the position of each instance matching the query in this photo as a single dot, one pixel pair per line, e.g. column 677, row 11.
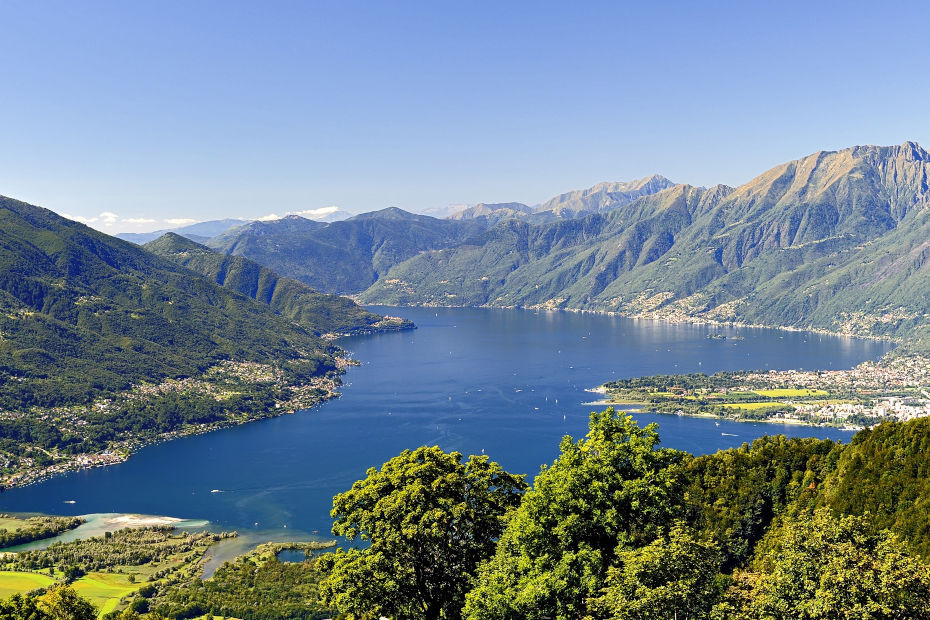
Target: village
column 894, row 388
column 33, row 462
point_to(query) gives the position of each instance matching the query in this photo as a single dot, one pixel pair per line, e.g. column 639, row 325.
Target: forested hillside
column 346, row 256
column 86, row 313
column 105, row 346
column 321, row 313
column 836, row 241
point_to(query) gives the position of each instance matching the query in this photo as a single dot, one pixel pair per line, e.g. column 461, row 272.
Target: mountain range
column 837, row 240
column 346, row 256
column 324, row 314
column 200, row 231
column 84, row 314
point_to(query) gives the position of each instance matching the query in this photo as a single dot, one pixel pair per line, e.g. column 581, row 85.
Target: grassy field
column 104, row 589
column 12, row 582
column 9, row 523
column 790, row 393
column 753, row 405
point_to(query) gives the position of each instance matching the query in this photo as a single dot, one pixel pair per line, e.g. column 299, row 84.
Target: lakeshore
column 506, row 383
column 235, row 379
column 890, row 389
column 36, row 464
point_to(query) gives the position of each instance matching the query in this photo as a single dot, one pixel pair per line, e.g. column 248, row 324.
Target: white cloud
column 307, row 213
column 179, row 221
column 139, row 220
column 79, row 218
column 107, row 218
column 321, row 212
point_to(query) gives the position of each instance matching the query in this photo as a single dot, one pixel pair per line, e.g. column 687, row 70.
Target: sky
column 144, row 115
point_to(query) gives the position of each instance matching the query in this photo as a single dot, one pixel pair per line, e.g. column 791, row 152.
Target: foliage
column 251, row 588
column 826, row 567
column 430, row 519
column 612, row 491
column 885, row 472
column 733, row 495
column 126, row 547
column 58, row 603
column 37, row 528
column 63, row 603
column 673, row 576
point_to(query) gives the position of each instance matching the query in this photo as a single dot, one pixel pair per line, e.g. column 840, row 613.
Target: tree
column 613, row 490
column 430, row 520
column 63, row 603
column 821, row 567
column 19, row 607
column 674, row 576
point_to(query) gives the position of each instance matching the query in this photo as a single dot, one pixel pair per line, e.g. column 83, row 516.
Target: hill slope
column 346, row 256
column 196, row 232
column 321, row 313
column 85, row 313
column 836, row 240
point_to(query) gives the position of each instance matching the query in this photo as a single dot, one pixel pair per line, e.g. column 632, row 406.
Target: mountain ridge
column 326, row 315
column 760, row 253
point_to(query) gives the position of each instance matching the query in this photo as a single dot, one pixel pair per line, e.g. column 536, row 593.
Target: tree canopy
column 611, row 491
column 820, row 566
column 430, row 519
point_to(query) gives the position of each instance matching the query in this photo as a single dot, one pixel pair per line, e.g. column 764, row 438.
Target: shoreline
column 692, row 320
column 710, row 416
column 123, row 450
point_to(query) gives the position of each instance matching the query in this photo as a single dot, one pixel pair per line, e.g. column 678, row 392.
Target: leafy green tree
column 430, row 520
column 19, row 607
column 824, row 567
column 63, row 603
column 611, row 491
column 885, row 471
column 733, row 495
column 674, row 576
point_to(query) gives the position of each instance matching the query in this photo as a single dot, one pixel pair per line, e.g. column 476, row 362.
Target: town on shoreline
column 890, row 389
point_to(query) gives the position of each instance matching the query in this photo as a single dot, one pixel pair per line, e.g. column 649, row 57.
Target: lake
column 509, row 383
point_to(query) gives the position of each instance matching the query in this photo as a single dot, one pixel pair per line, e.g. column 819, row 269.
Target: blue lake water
column 510, row 383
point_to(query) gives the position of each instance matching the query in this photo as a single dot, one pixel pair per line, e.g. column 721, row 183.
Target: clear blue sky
column 202, row 110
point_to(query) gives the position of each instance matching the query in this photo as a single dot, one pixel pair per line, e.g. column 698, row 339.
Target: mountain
column 836, row 240
column 323, row 314
column 85, row 314
column 198, row 232
column 228, row 241
column 345, row 256
column 602, row 197
column 493, row 213
column 597, row 199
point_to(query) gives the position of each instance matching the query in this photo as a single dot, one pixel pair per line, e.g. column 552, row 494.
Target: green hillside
column 84, row 313
column 321, row 313
column 836, row 240
column 105, row 347
column 346, row 256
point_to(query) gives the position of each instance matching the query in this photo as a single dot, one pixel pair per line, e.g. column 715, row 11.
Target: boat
column 70, row 501
column 215, row 491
